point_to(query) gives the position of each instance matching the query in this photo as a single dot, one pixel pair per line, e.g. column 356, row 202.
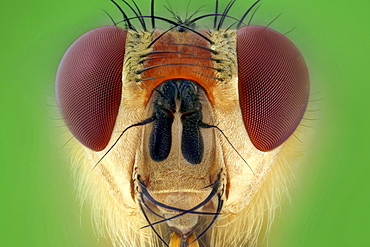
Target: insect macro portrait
column 182, row 133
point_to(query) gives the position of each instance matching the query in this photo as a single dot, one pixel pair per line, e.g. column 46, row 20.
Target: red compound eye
column 89, row 84
column 273, row 85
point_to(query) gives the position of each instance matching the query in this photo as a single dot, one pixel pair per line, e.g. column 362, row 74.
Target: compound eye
column 89, row 84
column 273, row 85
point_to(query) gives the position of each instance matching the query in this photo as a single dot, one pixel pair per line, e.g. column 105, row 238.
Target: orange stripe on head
column 179, row 55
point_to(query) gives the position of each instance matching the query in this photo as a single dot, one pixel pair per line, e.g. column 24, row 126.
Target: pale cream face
column 174, row 181
column 228, row 193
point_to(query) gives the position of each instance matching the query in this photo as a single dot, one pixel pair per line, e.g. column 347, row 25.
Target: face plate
column 124, row 169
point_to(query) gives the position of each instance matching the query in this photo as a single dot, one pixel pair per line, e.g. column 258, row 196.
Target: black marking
column 160, row 140
column 161, row 136
column 192, row 146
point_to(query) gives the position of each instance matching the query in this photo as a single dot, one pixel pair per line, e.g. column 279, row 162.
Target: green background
column 330, row 206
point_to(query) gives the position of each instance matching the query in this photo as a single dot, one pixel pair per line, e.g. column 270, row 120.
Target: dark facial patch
column 170, row 93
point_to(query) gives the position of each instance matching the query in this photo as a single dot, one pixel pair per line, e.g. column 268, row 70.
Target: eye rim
column 75, row 64
column 260, row 135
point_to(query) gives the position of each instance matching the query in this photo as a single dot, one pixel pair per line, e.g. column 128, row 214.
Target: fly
column 181, row 134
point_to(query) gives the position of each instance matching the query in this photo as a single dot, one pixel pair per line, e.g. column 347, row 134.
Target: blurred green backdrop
column 329, row 207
